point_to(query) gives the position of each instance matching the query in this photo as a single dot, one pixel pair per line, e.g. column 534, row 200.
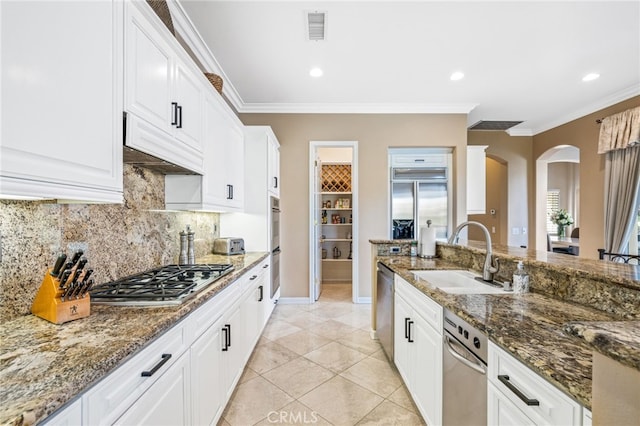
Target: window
column 553, row 204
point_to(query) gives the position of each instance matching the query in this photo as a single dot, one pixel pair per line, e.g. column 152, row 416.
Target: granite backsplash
column 118, row 239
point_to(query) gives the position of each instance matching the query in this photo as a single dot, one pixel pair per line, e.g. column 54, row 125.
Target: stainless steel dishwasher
column 384, row 309
column 464, row 364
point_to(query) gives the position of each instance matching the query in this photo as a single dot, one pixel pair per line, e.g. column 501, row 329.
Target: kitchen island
column 533, row 327
column 44, row 366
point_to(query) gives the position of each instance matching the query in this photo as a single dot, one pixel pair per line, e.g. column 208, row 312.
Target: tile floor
column 316, row 364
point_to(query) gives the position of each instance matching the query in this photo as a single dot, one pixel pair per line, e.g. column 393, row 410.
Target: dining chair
column 575, row 233
column 619, row 257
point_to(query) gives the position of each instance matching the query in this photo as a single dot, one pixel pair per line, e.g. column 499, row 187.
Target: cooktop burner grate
column 170, row 284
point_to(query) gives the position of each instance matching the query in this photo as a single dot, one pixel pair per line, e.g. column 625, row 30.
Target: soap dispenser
column 520, row 279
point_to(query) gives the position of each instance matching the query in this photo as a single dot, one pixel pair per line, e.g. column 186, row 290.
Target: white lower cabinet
column 187, row 375
column 207, row 392
column 518, row 396
column 71, row 415
column 166, row 402
column 418, row 348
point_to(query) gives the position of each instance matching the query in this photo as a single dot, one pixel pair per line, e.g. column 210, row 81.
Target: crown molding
column 605, row 102
column 208, row 63
column 355, row 108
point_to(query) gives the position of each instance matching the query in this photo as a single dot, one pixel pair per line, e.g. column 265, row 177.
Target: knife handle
column 66, row 267
column 76, row 256
column 85, row 276
column 88, row 287
column 58, row 265
column 64, row 278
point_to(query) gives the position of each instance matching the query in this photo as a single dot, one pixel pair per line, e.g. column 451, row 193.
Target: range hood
column 141, row 136
column 142, row 159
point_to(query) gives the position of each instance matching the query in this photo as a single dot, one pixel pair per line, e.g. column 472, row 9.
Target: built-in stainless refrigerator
column 421, row 190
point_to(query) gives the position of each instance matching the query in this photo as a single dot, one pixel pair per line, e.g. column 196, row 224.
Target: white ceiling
column 522, row 60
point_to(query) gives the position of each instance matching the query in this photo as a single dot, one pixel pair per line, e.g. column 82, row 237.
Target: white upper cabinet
column 274, row 164
column 61, row 100
column 164, row 91
column 221, row 186
column 263, row 161
column 476, row 179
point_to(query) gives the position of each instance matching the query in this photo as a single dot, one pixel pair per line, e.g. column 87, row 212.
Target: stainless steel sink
column 458, row 282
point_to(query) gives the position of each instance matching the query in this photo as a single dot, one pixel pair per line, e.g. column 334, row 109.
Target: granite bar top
column 43, row 365
column 529, row 326
column 618, row 273
column 619, row 340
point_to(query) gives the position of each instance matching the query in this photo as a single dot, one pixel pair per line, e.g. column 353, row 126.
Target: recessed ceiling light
column 315, row 72
column 457, row 76
column 590, row 77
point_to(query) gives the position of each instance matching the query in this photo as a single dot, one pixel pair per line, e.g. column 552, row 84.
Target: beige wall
column 583, row 133
column 516, row 151
column 374, row 134
column 497, row 199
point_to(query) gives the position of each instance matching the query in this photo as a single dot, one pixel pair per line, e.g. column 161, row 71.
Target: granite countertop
column 529, row 326
column 617, row 340
column 43, row 365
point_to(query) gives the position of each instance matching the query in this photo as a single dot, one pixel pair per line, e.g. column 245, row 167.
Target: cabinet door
column 224, row 158
column 188, row 96
column 206, row 391
column 148, row 72
column 502, row 412
column 401, row 355
column 61, row 103
column 234, row 154
column 164, row 403
column 251, row 312
column 69, row 416
column 231, row 344
column 274, row 167
column 214, row 180
column 427, row 370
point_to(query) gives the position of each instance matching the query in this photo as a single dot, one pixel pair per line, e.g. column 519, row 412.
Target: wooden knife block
column 49, row 305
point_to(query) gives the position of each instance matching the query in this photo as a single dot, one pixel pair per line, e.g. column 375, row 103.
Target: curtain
column 622, row 183
column 620, row 131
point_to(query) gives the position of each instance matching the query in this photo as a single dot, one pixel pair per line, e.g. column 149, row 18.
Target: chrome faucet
column 489, row 269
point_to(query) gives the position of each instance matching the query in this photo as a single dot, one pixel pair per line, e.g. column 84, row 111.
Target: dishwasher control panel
column 469, row 336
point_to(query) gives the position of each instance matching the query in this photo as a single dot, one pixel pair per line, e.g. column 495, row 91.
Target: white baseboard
column 293, row 301
column 364, row 300
column 373, row 334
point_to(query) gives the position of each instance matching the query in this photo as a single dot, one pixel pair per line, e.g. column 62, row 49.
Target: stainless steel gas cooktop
column 167, row 285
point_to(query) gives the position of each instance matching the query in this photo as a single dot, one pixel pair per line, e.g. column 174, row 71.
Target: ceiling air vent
column 316, row 25
column 494, row 125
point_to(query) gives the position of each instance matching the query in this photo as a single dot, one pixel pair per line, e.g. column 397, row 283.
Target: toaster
column 228, row 246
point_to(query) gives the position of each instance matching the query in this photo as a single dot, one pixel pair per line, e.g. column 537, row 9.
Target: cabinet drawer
column 428, row 308
column 511, row 377
column 208, row 313
column 114, row 394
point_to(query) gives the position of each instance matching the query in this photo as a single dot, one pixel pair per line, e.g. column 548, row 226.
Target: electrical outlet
column 524, row 231
column 493, row 229
column 394, row 250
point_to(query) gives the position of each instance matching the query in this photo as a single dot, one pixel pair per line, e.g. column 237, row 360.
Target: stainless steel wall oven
column 275, row 245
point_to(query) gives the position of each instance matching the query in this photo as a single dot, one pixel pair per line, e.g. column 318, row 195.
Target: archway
column 571, row 199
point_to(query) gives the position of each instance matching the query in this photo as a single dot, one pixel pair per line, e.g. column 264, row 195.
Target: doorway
column 333, row 216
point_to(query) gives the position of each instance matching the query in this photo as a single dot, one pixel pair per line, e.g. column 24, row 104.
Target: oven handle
column 477, row 366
